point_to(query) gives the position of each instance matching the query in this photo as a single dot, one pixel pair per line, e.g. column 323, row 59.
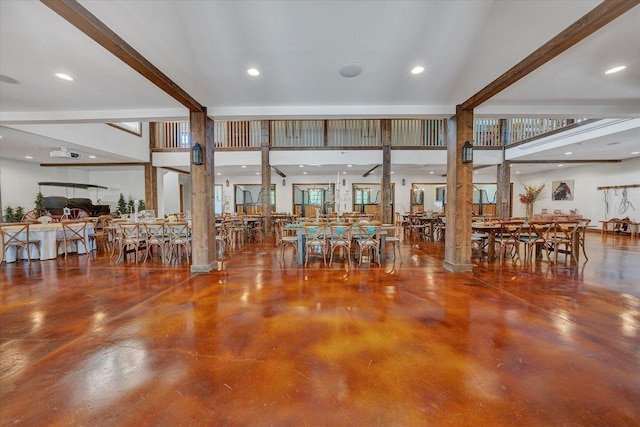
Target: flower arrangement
column 531, row 193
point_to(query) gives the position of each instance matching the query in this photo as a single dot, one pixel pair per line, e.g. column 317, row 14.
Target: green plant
column 141, row 205
column 9, row 215
column 131, row 205
column 39, row 204
column 18, row 214
column 122, row 205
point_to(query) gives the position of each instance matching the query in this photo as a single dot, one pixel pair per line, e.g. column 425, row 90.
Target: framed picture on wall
column 562, row 190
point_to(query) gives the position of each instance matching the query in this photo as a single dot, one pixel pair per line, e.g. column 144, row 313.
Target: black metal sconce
column 404, row 181
column 284, row 182
column 344, row 182
column 467, row 152
column 227, row 183
column 196, row 154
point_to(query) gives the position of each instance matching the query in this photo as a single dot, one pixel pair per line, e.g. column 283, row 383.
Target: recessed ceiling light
column 301, row 166
column 635, row 152
column 349, row 166
column 92, row 157
column 431, row 172
column 218, row 173
column 304, row 173
column 253, row 72
column 28, row 157
column 417, row 70
column 615, row 69
column 344, row 173
column 560, row 166
column 64, row 76
column 517, row 172
column 568, row 153
column 257, row 173
column 476, row 172
column 392, row 172
column 244, row 166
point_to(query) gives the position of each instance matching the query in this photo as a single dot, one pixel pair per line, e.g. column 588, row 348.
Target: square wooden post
column 385, row 194
column 202, row 196
column 459, row 194
column 266, row 176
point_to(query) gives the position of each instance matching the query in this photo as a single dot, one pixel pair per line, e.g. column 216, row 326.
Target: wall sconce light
column 227, row 182
column 344, row 182
column 404, row 181
column 196, row 154
column 467, row 152
column 284, row 182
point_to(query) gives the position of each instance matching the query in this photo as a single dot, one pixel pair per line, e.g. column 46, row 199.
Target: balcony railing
column 355, row 133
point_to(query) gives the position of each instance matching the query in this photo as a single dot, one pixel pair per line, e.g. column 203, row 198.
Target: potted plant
column 122, row 206
column 39, row 204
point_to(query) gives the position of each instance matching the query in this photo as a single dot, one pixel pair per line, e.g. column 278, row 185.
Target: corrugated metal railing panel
column 297, row 133
column 172, row 134
column 417, row 133
column 406, row 132
column 486, row 132
column 522, row 129
column 353, row 133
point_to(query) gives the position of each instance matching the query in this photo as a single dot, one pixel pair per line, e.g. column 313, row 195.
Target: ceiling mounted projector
column 63, row 152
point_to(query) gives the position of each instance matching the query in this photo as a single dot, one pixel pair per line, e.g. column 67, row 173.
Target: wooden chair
column 73, row 232
column 179, row 240
column 393, row 237
column 537, row 238
column 16, row 235
column 284, row 239
column 340, row 237
column 129, row 239
column 155, row 236
column 315, row 239
column 509, row 240
column 562, row 239
column 368, row 240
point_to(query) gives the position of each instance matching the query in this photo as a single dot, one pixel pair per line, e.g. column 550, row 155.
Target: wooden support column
column 459, row 194
column 151, row 174
column 202, row 184
column 266, row 176
column 503, row 197
column 150, row 187
column 385, row 194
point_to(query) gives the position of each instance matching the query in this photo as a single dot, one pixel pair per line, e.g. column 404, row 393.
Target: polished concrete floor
column 89, row 343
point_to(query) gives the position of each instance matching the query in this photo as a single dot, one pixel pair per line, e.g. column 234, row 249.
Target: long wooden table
column 300, row 232
column 47, row 234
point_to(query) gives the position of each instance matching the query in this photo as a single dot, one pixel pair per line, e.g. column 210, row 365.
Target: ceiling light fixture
column 560, row 166
column 431, row 172
column 28, row 157
column 92, row 157
column 253, row 72
column 635, row 152
column 244, row 166
column 417, row 70
column 64, row 76
column 568, row 153
column 615, row 69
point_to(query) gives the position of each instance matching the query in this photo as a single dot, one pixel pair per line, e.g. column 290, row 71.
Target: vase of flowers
column 531, row 193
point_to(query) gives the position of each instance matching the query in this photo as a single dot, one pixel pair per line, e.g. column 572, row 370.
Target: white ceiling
column 299, row 46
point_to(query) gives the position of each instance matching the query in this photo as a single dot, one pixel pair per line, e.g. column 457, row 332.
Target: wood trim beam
column 91, row 26
column 370, row 171
column 564, row 161
column 67, row 165
column 278, row 171
column 595, row 19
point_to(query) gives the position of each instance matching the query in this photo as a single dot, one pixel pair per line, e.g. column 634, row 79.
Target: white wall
column 171, row 192
column 588, row 200
column 19, row 183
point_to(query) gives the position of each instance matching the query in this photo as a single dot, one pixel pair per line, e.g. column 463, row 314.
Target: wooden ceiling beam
column 67, row 165
column 597, row 18
column 86, row 22
column 370, row 171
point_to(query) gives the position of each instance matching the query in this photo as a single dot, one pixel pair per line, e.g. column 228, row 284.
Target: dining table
column 355, row 231
column 47, row 235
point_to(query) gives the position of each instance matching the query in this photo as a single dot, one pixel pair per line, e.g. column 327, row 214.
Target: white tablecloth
column 47, row 235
